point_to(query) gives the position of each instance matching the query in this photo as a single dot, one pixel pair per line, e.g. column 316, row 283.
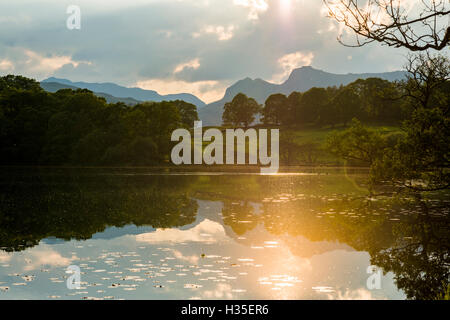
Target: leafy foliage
column 241, row 111
column 419, row 159
column 276, row 110
column 358, row 143
column 78, row 128
column 372, row 100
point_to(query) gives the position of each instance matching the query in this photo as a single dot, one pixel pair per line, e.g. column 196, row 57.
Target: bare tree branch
column 415, row 25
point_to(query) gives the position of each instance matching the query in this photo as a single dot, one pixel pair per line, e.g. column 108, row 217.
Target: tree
column 18, row 82
column 378, row 102
column 90, row 148
column 358, row 143
column 426, row 75
column 240, row 111
column 276, row 110
column 24, row 110
column 188, row 113
column 294, row 106
column 75, row 127
column 312, row 104
column 421, row 159
column 290, row 150
column 418, row 160
column 418, row 255
column 394, row 23
column 347, row 105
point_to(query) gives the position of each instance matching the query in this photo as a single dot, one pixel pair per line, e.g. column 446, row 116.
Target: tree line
column 75, row 127
column 372, row 100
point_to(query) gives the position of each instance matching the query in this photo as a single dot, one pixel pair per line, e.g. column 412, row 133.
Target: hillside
column 138, row 94
column 55, row 86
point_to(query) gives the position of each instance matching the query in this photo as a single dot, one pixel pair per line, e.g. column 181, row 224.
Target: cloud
column 292, row 61
column 36, row 64
column 255, row 7
column 223, row 33
column 180, row 256
column 4, row 257
column 208, row 91
column 221, row 292
column 39, row 63
column 19, row 19
column 193, row 64
column 6, row 65
column 207, row 231
column 43, row 256
column 145, row 41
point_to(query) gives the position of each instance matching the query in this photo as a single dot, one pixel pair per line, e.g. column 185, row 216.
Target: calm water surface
column 143, row 235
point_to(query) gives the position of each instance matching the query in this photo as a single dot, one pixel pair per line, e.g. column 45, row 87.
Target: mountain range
column 301, row 79
column 114, row 93
column 55, row 86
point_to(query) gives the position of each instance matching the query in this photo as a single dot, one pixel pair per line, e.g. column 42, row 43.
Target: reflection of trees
column 239, row 216
column 419, row 254
column 77, row 206
column 407, row 238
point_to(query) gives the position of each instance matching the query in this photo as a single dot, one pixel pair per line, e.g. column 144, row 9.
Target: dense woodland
column 372, row 100
column 78, row 128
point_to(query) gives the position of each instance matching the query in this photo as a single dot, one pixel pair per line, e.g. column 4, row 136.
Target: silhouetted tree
column 394, row 23
column 312, row 104
column 276, row 110
column 75, row 127
column 240, row 111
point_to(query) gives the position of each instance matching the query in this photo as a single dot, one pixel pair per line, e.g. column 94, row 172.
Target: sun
column 285, row 6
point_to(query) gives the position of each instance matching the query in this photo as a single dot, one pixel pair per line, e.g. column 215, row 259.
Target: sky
column 173, row 46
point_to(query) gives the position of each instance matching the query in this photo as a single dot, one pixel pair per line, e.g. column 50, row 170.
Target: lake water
column 137, row 234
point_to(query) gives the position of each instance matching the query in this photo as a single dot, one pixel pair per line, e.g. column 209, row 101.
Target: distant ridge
column 55, row 86
column 301, row 79
column 121, row 92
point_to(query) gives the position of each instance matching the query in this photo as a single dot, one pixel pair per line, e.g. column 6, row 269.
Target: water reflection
column 162, row 236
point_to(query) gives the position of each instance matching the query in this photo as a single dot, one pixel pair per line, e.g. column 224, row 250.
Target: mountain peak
column 58, row 80
column 244, row 81
column 306, row 69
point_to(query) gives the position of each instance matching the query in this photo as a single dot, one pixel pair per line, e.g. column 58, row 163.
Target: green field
column 307, row 145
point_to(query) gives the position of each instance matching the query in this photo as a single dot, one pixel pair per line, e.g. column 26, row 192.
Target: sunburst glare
column 285, row 5
column 285, row 8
